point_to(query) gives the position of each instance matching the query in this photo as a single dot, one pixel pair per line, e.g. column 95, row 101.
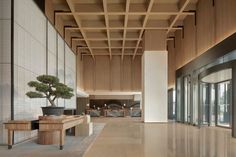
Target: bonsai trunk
column 51, row 102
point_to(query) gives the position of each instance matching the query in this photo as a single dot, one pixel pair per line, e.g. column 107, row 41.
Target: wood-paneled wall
column 79, row 72
column 205, row 26
column 225, row 18
column 103, row 74
column 213, row 24
column 89, row 73
column 171, row 63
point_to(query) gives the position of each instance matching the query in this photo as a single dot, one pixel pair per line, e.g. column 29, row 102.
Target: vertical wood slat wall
column 213, row 24
column 104, row 74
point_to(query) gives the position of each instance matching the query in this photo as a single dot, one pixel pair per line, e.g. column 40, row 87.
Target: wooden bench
column 19, row 125
column 60, row 125
column 43, row 124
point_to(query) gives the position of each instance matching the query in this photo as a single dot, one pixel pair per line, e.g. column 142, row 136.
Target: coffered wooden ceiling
column 115, row 27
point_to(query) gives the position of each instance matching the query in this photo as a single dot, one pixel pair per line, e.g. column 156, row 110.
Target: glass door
column 178, row 100
column 187, row 102
column 223, row 104
column 212, row 104
column 216, row 98
column 204, row 103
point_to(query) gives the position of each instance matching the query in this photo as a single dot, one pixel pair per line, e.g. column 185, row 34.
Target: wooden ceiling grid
column 116, row 27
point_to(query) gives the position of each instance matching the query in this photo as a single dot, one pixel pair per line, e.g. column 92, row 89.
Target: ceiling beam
column 122, row 13
column 125, row 27
column 121, row 28
column 79, row 25
column 182, row 8
column 157, row 9
column 115, row 54
column 151, row 2
column 104, row 2
column 106, row 47
column 102, row 39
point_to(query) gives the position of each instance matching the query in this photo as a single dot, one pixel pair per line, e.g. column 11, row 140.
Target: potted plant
column 49, row 87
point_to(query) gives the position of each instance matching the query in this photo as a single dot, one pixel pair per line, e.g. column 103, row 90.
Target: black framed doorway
column 215, row 85
column 216, row 103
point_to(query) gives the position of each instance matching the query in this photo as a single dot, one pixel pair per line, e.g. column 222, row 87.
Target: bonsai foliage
column 50, row 88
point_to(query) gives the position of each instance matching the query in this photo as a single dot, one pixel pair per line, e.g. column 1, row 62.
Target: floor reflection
column 126, row 137
column 190, row 141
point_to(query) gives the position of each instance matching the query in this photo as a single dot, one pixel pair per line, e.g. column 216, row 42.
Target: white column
column 154, row 80
column 155, row 86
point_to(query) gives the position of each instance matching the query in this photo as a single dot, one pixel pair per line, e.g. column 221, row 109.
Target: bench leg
column 62, row 139
column 10, row 134
column 9, row 146
column 61, row 147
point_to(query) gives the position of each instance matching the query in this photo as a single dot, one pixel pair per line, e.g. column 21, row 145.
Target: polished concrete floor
column 125, row 137
column 129, row 137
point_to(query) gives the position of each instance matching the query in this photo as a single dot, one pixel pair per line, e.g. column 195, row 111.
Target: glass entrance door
column 187, row 103
column 216, row 98
column 204, row 103
column 212, row 104
column 224, row 104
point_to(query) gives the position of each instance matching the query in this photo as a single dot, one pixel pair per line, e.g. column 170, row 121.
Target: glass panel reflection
column 178, row 100
column 205, row 103
column 223, row 104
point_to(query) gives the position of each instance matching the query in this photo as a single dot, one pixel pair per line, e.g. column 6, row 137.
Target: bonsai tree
column 50, row 88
